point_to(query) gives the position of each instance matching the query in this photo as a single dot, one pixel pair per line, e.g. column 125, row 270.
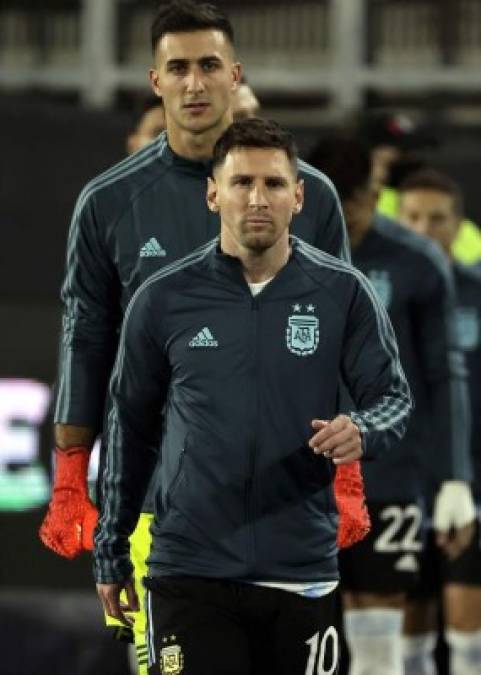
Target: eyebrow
column 244, row 176
column 201, row 60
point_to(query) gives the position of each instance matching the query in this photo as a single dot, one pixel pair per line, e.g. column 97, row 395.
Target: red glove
column 71, row 518
column 354, row 522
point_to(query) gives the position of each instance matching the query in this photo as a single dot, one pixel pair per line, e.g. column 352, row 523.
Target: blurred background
column 73, row 82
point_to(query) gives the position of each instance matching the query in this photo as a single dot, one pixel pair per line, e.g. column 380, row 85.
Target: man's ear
column 154, row 82
column 236, row 75
column 299, row 197
column 212, row 195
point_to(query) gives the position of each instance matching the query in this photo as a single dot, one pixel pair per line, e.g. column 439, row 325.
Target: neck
column 196, row 146
column 258, row 266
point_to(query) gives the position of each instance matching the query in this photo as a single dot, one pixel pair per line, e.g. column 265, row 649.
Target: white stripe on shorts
column 150, row 630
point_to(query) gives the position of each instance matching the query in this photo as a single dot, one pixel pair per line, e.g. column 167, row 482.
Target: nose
column 421, row 225
column 257, row 197
column 194, row 81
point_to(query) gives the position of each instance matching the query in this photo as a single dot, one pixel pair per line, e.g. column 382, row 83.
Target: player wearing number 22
column 412, row 279
column 242, row 344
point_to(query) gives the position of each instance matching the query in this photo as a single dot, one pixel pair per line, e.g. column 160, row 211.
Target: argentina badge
column 302, row 334
column 171, row 660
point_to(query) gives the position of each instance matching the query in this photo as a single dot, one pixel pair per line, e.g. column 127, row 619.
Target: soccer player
column 242, row 345
column 246, row 103
column 396, row 142
column 432, row 205
column 150, row 125
column 139, row 216
column 410, row 276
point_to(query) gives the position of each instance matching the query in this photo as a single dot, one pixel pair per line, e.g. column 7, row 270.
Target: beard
column 260, row 241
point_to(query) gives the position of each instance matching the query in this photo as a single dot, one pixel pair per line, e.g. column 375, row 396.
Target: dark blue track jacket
column 238, row 493
column 139, row 216
column 411, row 275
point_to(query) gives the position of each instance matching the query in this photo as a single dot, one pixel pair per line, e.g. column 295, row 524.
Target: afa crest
column 302, row 333
column 171, row 660
column 381, row 281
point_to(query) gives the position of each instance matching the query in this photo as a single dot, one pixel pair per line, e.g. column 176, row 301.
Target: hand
column 354, row 522
column 71, row 518
column 454, row 518
column 339, row 439
column 68, row 528
column 109, row 595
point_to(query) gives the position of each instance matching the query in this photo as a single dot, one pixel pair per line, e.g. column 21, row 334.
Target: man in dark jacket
column 242, row 344
column 139, row 216
column 432, row 205
column 411, row 278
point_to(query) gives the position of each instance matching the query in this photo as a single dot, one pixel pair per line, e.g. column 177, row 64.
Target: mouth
column 196, row 106
column 257, row 220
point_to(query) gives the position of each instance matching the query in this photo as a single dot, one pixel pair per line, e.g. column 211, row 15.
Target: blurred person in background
column 431, row 204
column 396, row 143
column 246, row 103
column 140, row 215
column 149, row 126
column 410, row 276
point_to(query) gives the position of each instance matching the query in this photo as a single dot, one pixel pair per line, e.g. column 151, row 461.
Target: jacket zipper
column 253, row 445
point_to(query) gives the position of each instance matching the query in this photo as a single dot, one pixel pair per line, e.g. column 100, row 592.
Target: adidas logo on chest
column 204, row 338
column 152, row 249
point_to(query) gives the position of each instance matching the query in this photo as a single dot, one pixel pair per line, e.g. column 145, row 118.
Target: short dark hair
column 184, row 16
column 431, row 179
column 255, row 133
column 346, row 161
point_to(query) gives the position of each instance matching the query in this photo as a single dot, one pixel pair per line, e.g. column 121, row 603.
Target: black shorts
column 467, row 568
column 429, row 581
column 388, row 560
column 437, row 570
column 213, row 627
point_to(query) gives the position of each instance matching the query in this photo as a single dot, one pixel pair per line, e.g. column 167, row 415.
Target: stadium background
column 72, row 82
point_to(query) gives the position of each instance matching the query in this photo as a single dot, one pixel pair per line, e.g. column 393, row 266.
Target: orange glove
column 354, row 522
column 71, row 518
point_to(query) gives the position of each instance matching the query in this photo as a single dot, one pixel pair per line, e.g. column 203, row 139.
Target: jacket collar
column 229, row 268
column 170, row 158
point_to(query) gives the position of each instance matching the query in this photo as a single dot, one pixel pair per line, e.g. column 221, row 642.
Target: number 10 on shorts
column 319, row 653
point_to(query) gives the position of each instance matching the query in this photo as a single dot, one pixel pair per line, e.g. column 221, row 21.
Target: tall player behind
column 142, row 214
column 412, row 279
column 432, row 204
